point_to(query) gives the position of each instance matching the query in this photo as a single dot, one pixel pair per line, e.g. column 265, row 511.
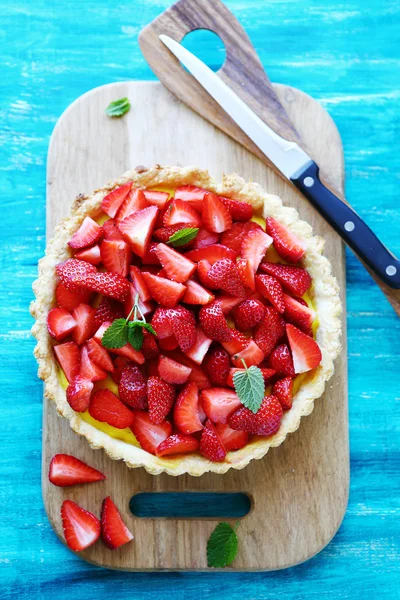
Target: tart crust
column 325, row 297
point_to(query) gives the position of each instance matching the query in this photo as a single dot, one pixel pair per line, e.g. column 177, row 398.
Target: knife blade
column 297, row 166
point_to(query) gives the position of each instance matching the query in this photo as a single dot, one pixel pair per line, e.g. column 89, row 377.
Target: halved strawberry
column 200, row 347
column 191, row 194
column 132, row 388
column 126, row 351
column 239, row 211
column 139, row 283
column 107, row 310
column 248, row 314
column 106, row 407
column 89, row 369
column 149, row 347
column 211, row 445
column 270, row 330
column 168, row 343
column 73, row 273
column 283, row 390
column 233, row 237
column 205, row 238
column 299, row 314
column 60, row 323
column 305, row 350
column 99, row 355
column 172, row 371
column 217, row 364
column 271, row 289
column 177, row 444
column 81, row 527
column 281, row 361
column 265, row 422
column 159, row 199
column 91, row 255
column 181, row 212
column 211, row 253
column 111, row 231
column 74, row 276
column 295, row 279
column 183, row 326
column 137, row 229
column 88, row 234
column 164, row 233
column 70, row 300
column 254, row 246
column 165, row 292
column 134, row 202
column 149, row 434
column 186, row 410
column 230, row 438
column 199, row 377
column 216, row 217
column 252, row 355
column 203, row 268
column 66, row 470
column 161, row 323
column 225, row 276
column 196, row 294
column 116, row 256
column 85, row 326
column 219, row 404
column 69, row 358
column 111, row 203
column 237, row 343
column 150, row 257
column 228, row 303
column 160, row 397
column 246, row 274
column 213, row 322
column 119, row 363
column 177, row 267
column 114, row 532
column 286, row 243
column 267, row 374
column 78, row 393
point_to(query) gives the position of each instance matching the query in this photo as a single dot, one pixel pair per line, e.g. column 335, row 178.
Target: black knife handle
column 357, row 235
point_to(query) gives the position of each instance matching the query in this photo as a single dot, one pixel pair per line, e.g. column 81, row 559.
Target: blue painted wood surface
column 345, row 54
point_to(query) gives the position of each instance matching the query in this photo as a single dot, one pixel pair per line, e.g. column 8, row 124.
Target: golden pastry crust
column 325, row 296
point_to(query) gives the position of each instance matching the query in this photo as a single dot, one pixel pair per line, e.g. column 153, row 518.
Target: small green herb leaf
column 183, row 236
column 222, row 546
column 143, row 325
column 135, row 337
column 116, row 335
column 118, row 108
column 250, row 387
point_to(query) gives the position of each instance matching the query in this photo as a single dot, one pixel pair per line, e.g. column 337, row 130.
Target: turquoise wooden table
column 345, row 54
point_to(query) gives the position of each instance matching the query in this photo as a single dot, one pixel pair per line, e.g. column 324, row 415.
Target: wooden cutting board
column 299, row 490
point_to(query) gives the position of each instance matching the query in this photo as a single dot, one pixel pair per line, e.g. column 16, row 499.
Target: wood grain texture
column 86, row 150
column 346, row 56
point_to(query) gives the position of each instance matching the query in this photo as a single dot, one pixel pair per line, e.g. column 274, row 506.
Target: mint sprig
column 118, row 108
column 250, row 387
column 183, row 236
column 222, row 545
column 124, row 331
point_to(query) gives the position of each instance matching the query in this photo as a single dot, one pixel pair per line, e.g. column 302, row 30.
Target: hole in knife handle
column 207, row 46
column 190, row 505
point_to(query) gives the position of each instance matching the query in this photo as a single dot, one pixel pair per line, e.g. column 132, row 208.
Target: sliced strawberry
column 305, row 350
column 233, row 237
column 126, row 351
column 162, row 212
column 99, row 355
column 217, row 364
column 100, row 332
column 192, row 195
column 230, row 438
column 246, row 274
column 211, row 253
column 111, row 231
column 228, row 303
column 132, row 388
column 81, row 527
column 116, row 256
column 270, row 330
column 219, row 404
column 225, row 276
column 114, row 532
column 111, row 203
column 271, row 289
column 168, row 343
column 186, row 410
column 73, row 273
column 216, row 217
column 159, row 199
column 181, row 212
column 85, row 325
column 108, row 284
column 164, row 233
column 106, row 407
column 152, row 367
column 134, row 202
column 252, row 355
column 177, row 444
column 177, row 267
column 281, row 361
column 161, row 323
column 149, row 347
column 149, row 434
column 150, row 257
column 107, row 310
column 60, row 323
column 172, row 371
column 237, row 343
column 78, row 393
column 139, row 283
column 88, row 234
column 165, row 292
column 196, row 294
column 203, row 268
column 211, row 445
column 295, row 279
column 213, row 322
column 239, row 211
column 299, row 314
column 70, row 300
column 200, row 347
column 267, row 374
column 286, row 243
column 137, row 229
column 119, row 364
column 248, row 314
column 69, row 359
column 205, row 238
column 265, row 422
column 66, row 470
column 183, row 326
column 161, row 397
column 254, row 246
column 89, row 369
column 283, row 390
column 145, row 307
column 91, row 255
column 199, row 377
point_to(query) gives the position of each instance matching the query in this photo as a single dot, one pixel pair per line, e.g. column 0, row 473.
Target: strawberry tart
column 185, row 325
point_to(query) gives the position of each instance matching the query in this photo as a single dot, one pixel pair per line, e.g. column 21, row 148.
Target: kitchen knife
column 297, row 167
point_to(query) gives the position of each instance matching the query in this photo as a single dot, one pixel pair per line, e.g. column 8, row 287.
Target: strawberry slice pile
column 194, row 265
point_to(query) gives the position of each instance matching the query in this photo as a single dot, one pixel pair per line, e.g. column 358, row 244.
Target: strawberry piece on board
column 286, row 243
column 149, row 434
column 106, row 407
column 81, row 527
column 88, row 234
column 265, row 422
column 78, row 393
column 91, row 255
column 137, row 229
column 69, row 358
column 295, row 279
column 177, row 267
column 132, row 388
column 231, row 439
column 283, row 390
column 248, row 314
column 60, row 323
column 181, row 212
column 186, row 410
column 161, row 397
column 164, row 292
column 271, row 289
column 305, row 350
column 66, row 470
column 116, row 256
column 134, row 202
column 213, row 322
column 219, row 404
column 211, row 445
column 111, row 203
column 216, row 217
column 114, row 532
column 172, row 371
column 85, row 325
column 177, row 444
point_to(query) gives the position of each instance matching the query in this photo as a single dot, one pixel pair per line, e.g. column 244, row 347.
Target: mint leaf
column 183, row 236
column 222, row 546
column 250, row 387
column 118, row 108
column 143, row 325
column 149, row 328
column 135, row 336
column 116, row 335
